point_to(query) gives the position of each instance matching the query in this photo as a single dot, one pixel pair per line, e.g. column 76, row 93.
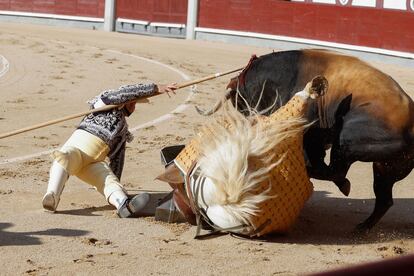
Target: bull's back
column 373, row 92
column 380, row 114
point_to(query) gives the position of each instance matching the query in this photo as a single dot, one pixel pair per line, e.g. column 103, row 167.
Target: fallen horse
column 245, row 175
column 365, row 116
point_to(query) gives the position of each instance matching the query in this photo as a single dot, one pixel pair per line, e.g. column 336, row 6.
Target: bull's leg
column 385, row 175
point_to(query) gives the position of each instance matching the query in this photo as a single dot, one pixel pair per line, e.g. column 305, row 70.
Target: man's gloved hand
column 169, row 88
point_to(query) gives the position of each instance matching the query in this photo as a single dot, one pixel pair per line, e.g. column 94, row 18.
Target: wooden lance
column 108, row 107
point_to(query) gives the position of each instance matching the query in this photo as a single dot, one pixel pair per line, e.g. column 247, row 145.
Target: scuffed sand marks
column 56, row 76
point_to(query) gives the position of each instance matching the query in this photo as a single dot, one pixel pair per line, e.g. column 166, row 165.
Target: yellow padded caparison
column 289, row 183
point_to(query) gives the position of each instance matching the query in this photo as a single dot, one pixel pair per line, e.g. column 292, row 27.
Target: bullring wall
column 88, row 8
column 167, row 11
column 382, row 26
column 364, row 26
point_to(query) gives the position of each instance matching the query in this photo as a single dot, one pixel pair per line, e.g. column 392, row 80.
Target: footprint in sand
column 13, row 41
column 149, row 128
column 34, row 271
column 56, row 77
column 34, row 162
column 111, row 60
column 86, row 259
column 6, row 192
column 97, row 55
column 19, row 100
column 83, row 205
column 190, row 102
column 390, row 251
column 41, row 137
column 96, row 242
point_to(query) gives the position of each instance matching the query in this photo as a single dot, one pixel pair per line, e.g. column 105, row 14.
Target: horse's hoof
column 344, row 186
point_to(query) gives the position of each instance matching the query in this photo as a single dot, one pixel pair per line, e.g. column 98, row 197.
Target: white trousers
column 83, row 155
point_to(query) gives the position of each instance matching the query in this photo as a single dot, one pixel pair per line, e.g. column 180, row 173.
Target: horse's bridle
column 201, row 214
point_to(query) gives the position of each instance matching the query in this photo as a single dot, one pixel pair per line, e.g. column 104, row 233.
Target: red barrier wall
column 168, row 11
column 362, row 26
column 89, row 8
column 372, row 27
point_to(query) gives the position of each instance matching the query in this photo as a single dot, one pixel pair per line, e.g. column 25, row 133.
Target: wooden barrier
column 363, row 26
column 90, row 8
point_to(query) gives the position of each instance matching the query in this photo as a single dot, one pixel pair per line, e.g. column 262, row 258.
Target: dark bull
column 364, row 116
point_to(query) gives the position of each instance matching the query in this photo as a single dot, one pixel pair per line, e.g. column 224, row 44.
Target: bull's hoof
column 362, row 229
column 344, row 186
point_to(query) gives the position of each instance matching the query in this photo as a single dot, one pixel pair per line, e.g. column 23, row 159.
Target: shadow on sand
column 88, row 211
column 332, row 220
column 29, row 238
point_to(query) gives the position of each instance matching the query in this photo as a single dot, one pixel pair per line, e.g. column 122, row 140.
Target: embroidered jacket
column 111, row 125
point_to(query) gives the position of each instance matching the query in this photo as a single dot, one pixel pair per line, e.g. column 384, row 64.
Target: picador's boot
column 57, row 179
column 128, row 207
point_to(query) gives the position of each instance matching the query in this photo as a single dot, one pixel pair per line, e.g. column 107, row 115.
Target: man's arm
column 127, row 93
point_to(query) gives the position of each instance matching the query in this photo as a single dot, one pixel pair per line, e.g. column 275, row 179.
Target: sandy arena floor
column 54, row 71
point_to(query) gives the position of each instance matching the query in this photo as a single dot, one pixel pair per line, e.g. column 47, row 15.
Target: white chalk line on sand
column 158, row 120
column 5, row 65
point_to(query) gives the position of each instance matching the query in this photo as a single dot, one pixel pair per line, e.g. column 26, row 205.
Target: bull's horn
column 318, row 87
column 216, row 107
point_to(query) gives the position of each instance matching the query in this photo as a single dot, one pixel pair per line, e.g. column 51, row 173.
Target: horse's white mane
column 229, row 143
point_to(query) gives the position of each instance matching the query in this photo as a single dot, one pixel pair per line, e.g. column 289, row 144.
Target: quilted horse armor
column 286, row 186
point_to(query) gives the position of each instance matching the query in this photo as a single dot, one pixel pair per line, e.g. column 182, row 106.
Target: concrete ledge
column 132, row 26
column 150, row 28
column 131, row 21
column 167, row 25
column 53, row 16
column 168, row 29
column 54, row 20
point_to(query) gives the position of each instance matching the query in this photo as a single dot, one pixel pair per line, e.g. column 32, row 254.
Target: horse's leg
column 315, row 153
column 314, row 145
column 385, row 175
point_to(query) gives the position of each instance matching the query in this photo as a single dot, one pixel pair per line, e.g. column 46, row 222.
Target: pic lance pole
column 108, row 107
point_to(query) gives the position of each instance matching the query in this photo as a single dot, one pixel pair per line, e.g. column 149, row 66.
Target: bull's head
column 317, row 86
